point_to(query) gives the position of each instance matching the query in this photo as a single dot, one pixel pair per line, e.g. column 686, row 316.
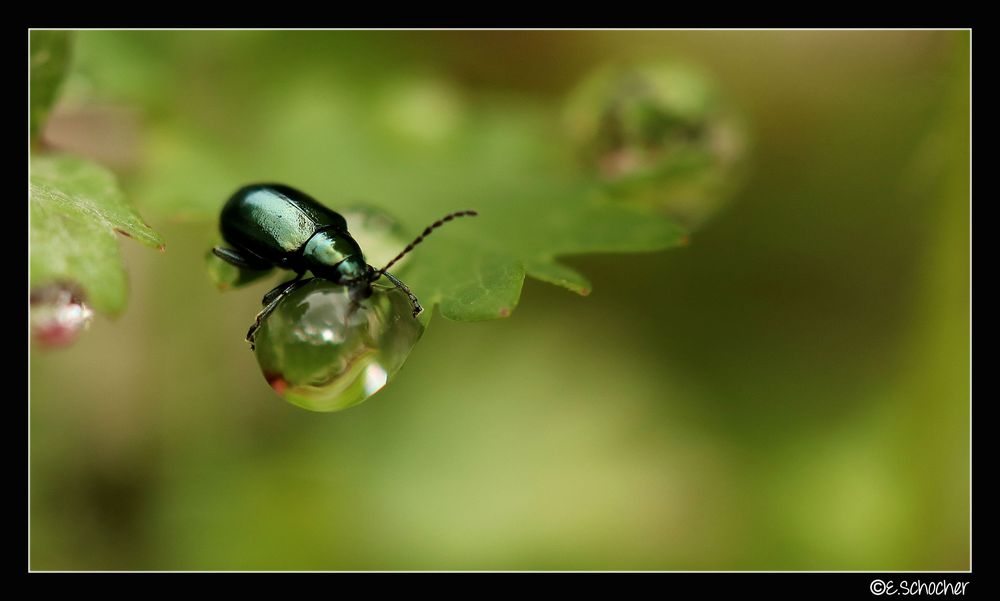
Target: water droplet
column 324, row 352
column 659, row 134
column 58, row 314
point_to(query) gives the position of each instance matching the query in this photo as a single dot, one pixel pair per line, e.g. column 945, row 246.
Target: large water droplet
column 323, row 352
column 58, row 315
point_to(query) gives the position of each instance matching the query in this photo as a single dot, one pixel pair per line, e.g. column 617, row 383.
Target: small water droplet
column 58, row 314
column 323, row 351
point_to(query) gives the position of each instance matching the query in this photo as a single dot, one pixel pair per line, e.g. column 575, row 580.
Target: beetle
column 271, row 225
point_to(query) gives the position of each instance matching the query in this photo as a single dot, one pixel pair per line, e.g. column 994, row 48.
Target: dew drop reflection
column 375, row 378
column 322, row 322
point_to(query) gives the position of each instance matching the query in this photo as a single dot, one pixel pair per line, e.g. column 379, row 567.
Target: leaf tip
column 505, row 312
column 584, row 291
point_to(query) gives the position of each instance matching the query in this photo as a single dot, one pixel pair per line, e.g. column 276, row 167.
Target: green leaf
column 506, row 160
column 481, row 276
column 50, row 57
column 76, row 210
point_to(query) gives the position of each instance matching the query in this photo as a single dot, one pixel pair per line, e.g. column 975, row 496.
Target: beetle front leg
column 417, row 309
column 271, row 300
column 281, row 289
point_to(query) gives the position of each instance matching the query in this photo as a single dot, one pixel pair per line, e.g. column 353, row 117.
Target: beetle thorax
column 334, row 255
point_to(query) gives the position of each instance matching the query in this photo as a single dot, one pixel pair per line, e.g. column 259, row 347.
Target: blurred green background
column 789, row 391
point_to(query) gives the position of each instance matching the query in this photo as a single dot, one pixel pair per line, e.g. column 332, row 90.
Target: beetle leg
column 241, row 260
column 271, row 300
column 281, row 289
column 417, row 309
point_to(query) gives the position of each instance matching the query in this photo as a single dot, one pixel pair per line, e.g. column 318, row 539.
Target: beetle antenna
column 420, row 239
column 417, row 309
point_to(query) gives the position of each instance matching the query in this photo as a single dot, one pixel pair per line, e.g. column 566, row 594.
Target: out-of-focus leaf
column 50, row 57
column 412, row 145
column 76, row 209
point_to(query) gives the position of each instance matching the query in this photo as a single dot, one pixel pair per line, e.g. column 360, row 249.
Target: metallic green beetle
column 273, row 225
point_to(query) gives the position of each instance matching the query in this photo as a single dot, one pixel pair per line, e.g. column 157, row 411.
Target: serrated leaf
column 50, row 57
column 76, row 210
column 555, row 273
column 506, row 161
column 480, row 277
